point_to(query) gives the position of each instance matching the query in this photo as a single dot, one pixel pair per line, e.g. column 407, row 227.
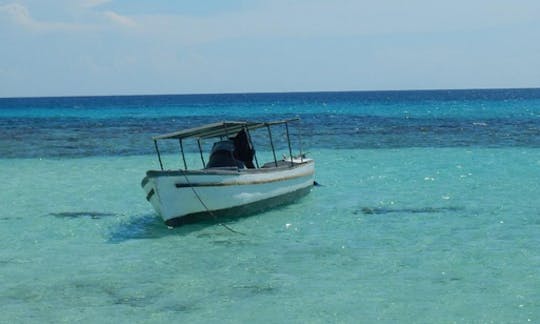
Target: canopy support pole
column 158, row 155
column 300, row 140
column 200, row 151
column 252, row 146
column 289, row 142
column 182, row 150
column 272, row 144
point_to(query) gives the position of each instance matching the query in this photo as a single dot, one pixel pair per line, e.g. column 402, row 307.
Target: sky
column 125, row 47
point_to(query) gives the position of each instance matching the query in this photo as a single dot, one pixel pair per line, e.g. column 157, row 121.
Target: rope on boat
column 206, row 207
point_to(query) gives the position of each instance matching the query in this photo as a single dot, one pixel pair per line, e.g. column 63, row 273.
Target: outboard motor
column 222, row 155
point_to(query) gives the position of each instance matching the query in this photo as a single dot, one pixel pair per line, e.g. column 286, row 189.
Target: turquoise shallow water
column 428, row 212
column 425, row 234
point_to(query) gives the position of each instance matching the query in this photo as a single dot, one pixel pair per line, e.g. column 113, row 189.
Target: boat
column 231, row 182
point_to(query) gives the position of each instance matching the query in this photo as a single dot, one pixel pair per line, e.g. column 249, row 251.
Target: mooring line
column 206, row 207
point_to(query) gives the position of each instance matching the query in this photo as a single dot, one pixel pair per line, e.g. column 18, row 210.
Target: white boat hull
column 181, row 197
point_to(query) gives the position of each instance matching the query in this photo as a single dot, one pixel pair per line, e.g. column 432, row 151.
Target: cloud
column 339, row 18
column 20, row 15
column 94, row 3
column 90, row 19
column 119, row 19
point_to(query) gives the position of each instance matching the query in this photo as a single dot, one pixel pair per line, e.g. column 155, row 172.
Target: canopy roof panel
column 224, row 128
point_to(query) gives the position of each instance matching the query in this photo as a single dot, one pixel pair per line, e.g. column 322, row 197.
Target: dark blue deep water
column 124, row 125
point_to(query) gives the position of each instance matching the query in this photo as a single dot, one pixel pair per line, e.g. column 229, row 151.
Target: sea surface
column 428, row 212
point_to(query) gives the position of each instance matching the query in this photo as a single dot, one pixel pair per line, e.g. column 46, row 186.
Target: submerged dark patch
column 230, row 242
column 257, row 289
column 132, row 301
column 93, row 215
column 423, row 210
column 10, row 218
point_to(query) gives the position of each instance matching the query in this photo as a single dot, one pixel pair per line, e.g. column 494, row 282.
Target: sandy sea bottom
column 404, row 235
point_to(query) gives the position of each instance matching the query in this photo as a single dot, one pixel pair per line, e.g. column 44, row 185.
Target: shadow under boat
column 150, row 226
column 141, row 227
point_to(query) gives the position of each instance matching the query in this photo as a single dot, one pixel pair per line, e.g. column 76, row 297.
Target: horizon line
column 266, row 92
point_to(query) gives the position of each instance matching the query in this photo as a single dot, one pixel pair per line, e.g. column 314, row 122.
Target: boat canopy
column 224, row 128
column 239, row 130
